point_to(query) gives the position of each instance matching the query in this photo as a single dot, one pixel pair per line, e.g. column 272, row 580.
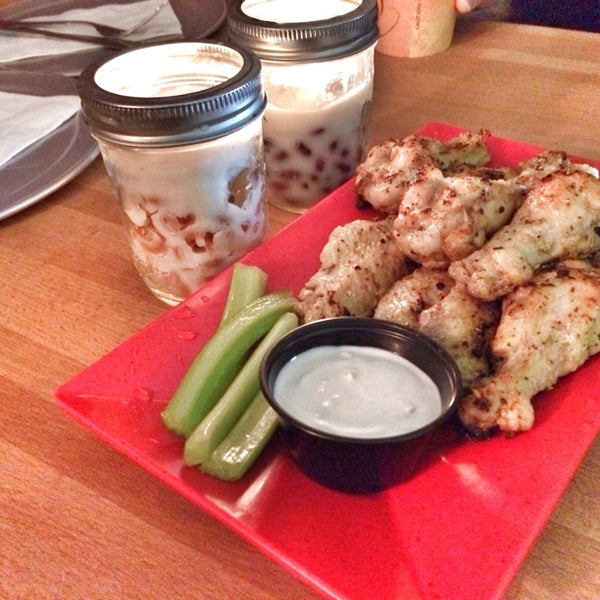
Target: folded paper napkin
column 25, row 119
column 17, row 45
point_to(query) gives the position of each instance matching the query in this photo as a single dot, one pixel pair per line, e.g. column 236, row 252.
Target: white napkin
column 25, row 119
column 17, row 45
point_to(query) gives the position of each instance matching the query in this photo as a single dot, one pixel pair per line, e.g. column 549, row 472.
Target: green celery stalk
column 220, row 360
column 248, row 283
column 244, row 443
column 222, row 417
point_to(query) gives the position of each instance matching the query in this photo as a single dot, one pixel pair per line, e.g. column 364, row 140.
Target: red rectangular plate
column 460, row 528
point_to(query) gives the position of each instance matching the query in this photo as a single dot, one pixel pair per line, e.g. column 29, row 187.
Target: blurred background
column 570, row 14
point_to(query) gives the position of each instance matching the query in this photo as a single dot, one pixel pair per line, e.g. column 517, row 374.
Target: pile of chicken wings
column 501, row 266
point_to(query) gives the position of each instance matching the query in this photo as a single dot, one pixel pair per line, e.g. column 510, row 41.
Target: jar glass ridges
column 180, row 131
column 318, row 69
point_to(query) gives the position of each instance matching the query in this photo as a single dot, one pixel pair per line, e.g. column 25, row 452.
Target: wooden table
column 77, row 519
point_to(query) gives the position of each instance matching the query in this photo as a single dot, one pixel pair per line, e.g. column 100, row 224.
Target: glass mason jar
column 179, row 127
column 317, row 67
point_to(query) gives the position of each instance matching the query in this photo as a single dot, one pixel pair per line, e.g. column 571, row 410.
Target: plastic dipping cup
column 350, row 459
column 413, row 28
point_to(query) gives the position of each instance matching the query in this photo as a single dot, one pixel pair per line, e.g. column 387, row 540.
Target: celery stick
column 248, row 283
column 244, row 443
column 220, row 360
column 222, row 417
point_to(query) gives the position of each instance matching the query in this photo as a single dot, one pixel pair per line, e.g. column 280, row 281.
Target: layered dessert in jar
column 191, row 211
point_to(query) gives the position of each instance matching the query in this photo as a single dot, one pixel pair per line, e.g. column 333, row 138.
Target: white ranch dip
column 357, row 391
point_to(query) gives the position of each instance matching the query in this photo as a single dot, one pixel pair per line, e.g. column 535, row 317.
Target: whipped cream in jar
column 318, row 65
column 179, row 127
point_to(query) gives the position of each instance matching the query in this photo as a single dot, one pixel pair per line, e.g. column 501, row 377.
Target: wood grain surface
column 77, row 519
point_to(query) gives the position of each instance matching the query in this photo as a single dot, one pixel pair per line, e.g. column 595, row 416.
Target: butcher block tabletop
column 78, row 519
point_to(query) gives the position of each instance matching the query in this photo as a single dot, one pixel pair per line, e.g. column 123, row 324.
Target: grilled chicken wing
column 558, row 219
column 549, row 327
column 392, row 167
column 441, row 223
column 430, row 302
column 359, row 263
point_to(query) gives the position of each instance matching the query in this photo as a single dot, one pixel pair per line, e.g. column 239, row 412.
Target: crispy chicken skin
column 430, row 302
column 558, row 219
column 408, row 297
column 549, row 327
column 392, row 167
column 533, row 170
column 359, row 263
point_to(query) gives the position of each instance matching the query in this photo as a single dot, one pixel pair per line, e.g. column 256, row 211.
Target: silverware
column 113, row 42
column 104, row 30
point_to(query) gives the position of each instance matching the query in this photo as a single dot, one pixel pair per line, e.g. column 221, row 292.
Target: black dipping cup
column 357, row 465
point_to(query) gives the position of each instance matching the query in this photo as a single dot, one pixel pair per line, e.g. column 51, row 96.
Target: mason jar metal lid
column 305, row 37
column 172, row 94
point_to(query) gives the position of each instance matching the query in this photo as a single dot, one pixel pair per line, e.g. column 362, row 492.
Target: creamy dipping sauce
column 357, row 391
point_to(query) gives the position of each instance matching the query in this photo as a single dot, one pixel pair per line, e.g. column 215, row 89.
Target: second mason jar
column 180, row 130
column 318, row 65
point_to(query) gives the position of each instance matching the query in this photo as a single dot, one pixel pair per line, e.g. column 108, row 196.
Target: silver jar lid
column 172, row 94
column 316, row 30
